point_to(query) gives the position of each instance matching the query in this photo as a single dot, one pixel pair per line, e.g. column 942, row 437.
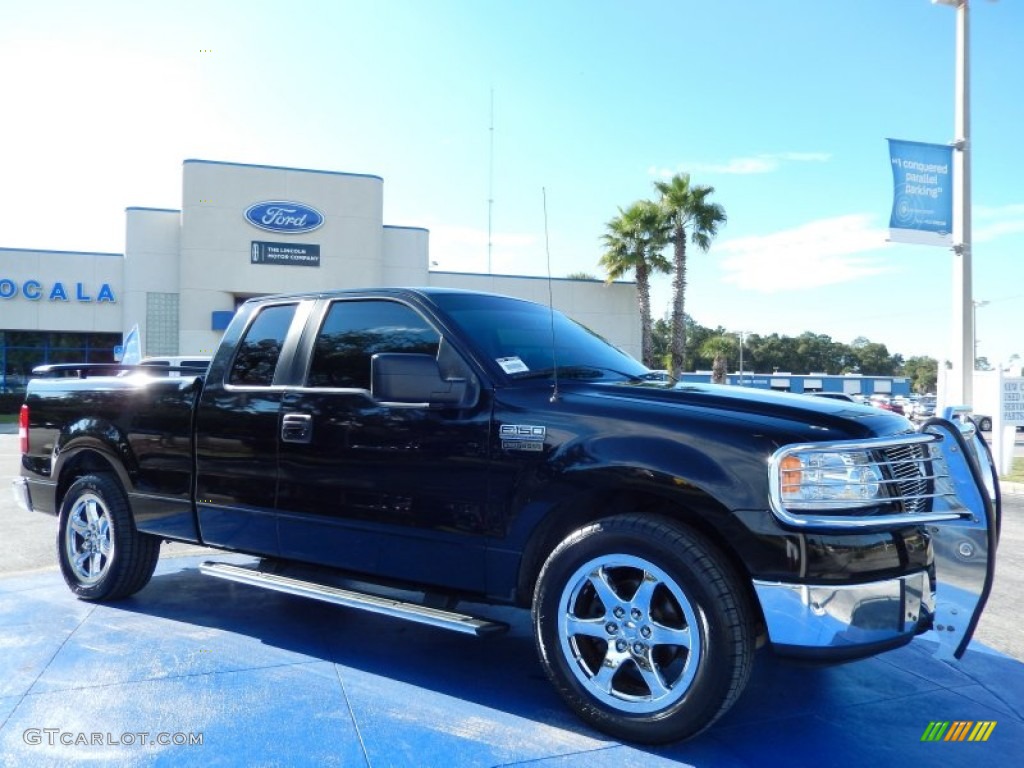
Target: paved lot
column 269, row 679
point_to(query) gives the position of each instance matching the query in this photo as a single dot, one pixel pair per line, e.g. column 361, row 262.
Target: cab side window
column 258, row 351
column 355, row 330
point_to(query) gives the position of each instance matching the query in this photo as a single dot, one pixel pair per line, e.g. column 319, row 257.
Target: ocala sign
column 284, row 216
column 33, row 290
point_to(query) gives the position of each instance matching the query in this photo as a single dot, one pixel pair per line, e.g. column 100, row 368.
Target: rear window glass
column 258, row 351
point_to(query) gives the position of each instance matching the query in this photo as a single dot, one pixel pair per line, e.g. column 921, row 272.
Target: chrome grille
column 908, row 465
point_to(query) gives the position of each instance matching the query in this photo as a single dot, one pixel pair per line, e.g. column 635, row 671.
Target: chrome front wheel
column 643, row 627
column 631, row 633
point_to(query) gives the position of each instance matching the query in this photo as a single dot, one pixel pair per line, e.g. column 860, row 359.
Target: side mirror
column 413, row 379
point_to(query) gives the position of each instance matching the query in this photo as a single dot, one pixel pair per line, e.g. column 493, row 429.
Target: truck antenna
column 551, row 300
column 490, row 187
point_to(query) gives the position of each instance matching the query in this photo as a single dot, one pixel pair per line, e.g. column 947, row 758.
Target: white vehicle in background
column 177, row 365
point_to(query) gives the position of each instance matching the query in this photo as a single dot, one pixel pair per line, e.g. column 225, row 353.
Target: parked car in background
column 923, row 409
column 984, row 423
column 886, row 404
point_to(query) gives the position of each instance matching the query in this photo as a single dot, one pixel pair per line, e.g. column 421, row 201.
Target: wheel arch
column 83, row 460
column 697, row 510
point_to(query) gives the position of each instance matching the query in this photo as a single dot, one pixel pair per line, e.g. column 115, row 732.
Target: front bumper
column 22, row 496
column 842, row 622
column 854, row 620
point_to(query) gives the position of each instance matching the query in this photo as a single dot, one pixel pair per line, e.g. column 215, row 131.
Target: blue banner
column 922, row 204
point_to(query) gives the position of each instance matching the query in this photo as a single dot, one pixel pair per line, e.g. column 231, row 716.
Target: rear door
column 388, row 489
column 236, row 431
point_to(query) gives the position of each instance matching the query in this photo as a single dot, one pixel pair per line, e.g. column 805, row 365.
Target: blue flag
column 132, row 347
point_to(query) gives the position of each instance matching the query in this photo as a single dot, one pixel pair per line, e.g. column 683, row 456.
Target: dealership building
column 242, row 231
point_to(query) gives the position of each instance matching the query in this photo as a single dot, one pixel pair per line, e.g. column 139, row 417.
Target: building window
column 21, row 351
column 161, row 324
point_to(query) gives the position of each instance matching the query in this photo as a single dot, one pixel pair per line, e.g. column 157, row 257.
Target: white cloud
column 825, row 252
column 464, row 249
column 992, row 222
column 743, row 166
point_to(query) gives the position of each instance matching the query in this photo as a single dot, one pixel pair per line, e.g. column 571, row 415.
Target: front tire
column 102, row 555
column 643, row 628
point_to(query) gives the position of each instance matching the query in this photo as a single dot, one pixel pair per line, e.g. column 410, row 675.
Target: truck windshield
column 517, row 335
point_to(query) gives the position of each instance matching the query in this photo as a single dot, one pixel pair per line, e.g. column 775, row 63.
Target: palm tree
column 718, row 347
column 634, row 241
column 687, row 208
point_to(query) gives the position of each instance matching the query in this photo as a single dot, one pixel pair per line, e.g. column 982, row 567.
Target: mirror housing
column 413, row 379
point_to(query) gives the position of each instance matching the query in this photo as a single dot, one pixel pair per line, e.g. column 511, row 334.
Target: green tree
column 718, row 348
column 774, row 353
column 923, row 373
column 689, row 214
column 874, row 359
column 661, row 340
column 634, row 241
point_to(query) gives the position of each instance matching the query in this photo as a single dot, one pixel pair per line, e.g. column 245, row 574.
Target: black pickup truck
column 405, row 451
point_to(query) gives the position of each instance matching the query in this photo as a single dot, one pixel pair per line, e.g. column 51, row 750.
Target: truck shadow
column 790, row 714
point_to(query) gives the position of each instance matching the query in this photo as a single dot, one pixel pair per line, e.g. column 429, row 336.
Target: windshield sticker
column 522, row 437
column 511, row 364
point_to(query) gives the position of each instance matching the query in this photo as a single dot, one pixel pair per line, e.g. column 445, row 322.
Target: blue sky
column 783, row 107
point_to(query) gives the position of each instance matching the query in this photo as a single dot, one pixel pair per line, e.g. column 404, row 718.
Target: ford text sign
column 284, row 216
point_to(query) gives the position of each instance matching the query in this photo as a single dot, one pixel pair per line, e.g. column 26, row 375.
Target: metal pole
column 961, row 383
column 741, row 358
column 974, row 326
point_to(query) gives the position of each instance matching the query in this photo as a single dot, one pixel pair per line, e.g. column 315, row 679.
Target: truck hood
column 801, row 412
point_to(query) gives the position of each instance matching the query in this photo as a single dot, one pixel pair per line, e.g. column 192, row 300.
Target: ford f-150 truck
column 404, row 451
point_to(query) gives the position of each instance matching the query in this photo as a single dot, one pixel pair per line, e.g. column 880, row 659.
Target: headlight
column 829, row 480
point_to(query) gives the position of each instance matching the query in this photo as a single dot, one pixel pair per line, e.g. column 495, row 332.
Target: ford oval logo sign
column 284, row 216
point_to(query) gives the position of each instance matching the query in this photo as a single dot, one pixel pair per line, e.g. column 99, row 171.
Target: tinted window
column 258, row 351
column 354, row 331
column 512, row 329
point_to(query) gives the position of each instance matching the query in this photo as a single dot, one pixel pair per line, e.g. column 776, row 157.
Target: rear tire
column 102, row 555
column 643, row 628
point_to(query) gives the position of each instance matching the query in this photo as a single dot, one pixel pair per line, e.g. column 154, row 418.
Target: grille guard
column 965, row 549
column 955, row 496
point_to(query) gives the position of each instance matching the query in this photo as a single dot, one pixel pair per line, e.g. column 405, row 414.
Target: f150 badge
column 522, row 437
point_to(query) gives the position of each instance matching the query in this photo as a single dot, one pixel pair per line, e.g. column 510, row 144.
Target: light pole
column 974, row 326
column 961, row 384
column 742, row 335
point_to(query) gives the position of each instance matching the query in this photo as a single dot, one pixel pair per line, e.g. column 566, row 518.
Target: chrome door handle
column 297, row 428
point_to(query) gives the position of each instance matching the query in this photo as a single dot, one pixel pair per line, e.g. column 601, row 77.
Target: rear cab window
column 259, row 350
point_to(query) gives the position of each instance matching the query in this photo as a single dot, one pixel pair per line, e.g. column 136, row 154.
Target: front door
column 378, row 488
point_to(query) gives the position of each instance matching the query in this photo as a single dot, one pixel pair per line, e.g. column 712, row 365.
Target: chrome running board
column 364, row 601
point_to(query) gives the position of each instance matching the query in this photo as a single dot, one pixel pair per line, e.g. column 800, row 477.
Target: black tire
column 102, row 555
column 984, row 424
column 644, row 628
